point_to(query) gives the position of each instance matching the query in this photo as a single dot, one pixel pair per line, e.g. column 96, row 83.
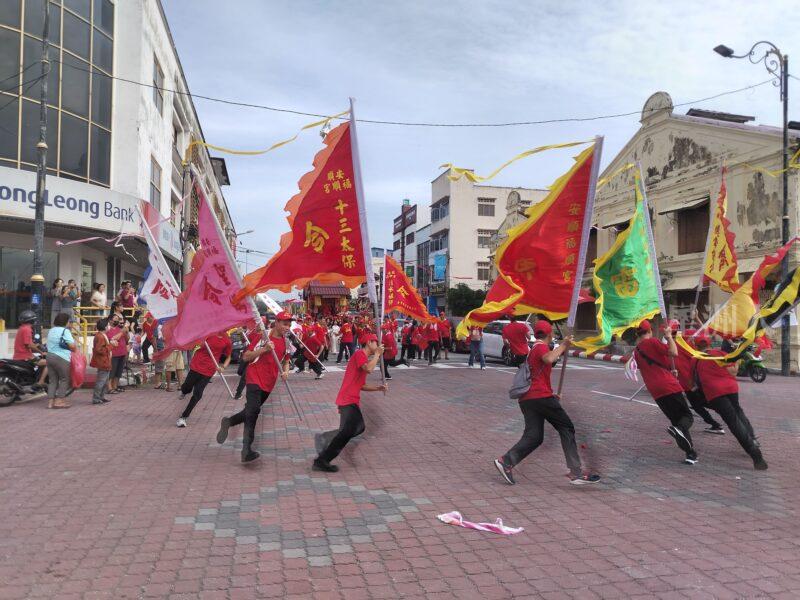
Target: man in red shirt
column 655, row 362
column 516, row 335
column 347, row 344
column 685, row 364
column 432, row 335
column 351, row 422
column 720, row 388
column 311, row 352
column 390, row 348
column 202, row 369
column 262, row 374
column 24, row 346
column 444, row 334
column 149, row 326
column 540, row 404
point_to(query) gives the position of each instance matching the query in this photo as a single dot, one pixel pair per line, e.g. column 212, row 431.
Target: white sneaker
column 180, row 422
column 320, row 376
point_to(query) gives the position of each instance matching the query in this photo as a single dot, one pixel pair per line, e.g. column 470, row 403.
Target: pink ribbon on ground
column 455, row 518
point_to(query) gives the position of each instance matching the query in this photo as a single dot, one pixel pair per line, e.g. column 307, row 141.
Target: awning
column 327, row 290
column 682, row 204
column 685, row 282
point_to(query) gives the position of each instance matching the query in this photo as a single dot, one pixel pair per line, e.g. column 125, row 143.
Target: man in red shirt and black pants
column 262, row 374
column 516, row 334
column 721, row 390
column 540, row 404
column 656, row 364
column 351, row 422
column 202, row 369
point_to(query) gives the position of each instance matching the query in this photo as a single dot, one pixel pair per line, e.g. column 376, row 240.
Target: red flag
column 204, row 306
column 325, row 239
column 400, row 295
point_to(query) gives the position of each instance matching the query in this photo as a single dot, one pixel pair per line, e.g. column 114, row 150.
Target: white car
column 493, row 344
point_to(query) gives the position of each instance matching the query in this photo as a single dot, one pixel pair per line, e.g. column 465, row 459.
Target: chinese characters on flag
column 400, row 295
column 160, row 290
column 720, row 262
column 205, row 306
column 325, row 237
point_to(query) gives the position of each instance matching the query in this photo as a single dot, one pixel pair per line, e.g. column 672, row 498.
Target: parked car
column 238, row 343
column 493, row 344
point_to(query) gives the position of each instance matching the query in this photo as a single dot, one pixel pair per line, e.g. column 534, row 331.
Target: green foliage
column 462, row 299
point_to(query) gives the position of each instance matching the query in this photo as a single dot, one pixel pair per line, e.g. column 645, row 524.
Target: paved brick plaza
column 115, row 502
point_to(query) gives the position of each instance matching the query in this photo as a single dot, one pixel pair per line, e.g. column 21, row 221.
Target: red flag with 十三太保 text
column 400, row 295
column 325, row 238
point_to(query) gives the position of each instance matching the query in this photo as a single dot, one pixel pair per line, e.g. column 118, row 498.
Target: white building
column 110, row 142
column 464, row 220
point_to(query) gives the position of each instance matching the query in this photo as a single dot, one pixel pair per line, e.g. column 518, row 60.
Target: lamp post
column 777, row 64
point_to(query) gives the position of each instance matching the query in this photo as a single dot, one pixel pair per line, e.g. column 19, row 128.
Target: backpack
column 522, row 379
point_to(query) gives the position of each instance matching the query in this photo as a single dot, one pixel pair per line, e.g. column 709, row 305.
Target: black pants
column 517, row 359
column 698, row 403
column 432, row 352
column 677, row 411
column 405, row 350
column 241, row 371
column 346, row 348
column 437, row 350
column 351, row 424
column 536, row 412
column 194, row 383
column 731, row 412
column 300, row 363
column 146, row 345
column 445, row 345
column 392, row 362
column 255, row 399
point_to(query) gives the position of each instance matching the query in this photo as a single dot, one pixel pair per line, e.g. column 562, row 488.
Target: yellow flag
column 721, row 266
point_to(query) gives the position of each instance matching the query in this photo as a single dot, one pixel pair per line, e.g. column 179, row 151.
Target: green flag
column 625, row 282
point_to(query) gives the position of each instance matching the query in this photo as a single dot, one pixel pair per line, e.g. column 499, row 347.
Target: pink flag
column 455, row 518
column 204, row 306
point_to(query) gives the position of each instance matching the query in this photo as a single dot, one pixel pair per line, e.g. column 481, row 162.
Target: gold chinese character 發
column 315, row 237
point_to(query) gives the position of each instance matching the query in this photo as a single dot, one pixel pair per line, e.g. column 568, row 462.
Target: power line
column 31, row 83
column 411, row 123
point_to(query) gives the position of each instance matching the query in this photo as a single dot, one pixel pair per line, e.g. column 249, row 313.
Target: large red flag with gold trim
column 325, row 239
column 538, row 262
column 400, row 295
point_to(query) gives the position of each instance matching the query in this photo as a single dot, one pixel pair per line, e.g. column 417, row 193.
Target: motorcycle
column 18, row 381
column 752, row 365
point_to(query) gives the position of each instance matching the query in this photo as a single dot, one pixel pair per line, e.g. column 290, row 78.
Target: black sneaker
column 250, row 456
column 759, row 464
column 505, row 471
column 717, row 429
column 321, row 465
column 691, row 459
column 222, row 434
column 237, row 397
column 680, row 439
column 388, row 377
column 584, row 479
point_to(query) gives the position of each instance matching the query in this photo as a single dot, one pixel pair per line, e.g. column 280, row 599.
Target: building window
column 397, row 244
column 175, row 211
column 16, row 268
column 79, row 87
column 440, row 209
column 158, row 85
column 693, row 226
column 483, row 271
column 485, row 237
column 155, row 184
column 439, row 242
column 410, row 238
column 486, row 207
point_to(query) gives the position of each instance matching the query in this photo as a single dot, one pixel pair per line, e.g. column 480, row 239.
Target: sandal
column 161, row 386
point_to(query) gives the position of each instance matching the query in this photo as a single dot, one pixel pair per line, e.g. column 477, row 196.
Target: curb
column 600, row 356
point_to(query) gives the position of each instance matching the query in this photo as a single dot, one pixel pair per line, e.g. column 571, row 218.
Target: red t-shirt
column 419, row 338
column 685, row 362
column 347, row 333
column 715, row 381
column 149, row 329
column 263, row 371
column 444, row 327
column 220, row 345
column 517, row 334
column 354, row 379
column 657, row 377
column 540, row 373
column 121, row 349
column 312, row 342
column 24, row 337
column 389, row 343
column 432, row 333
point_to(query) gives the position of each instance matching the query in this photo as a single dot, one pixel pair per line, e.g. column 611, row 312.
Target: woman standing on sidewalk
column 60, row 345
column 54, row 293
column 476, row 346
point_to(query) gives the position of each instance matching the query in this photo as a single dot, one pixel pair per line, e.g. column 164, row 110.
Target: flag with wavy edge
column 399, row 294
column 537, row 263
column 721, row 266
column 624, row 280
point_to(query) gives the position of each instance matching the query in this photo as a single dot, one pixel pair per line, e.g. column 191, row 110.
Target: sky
column 454, row 62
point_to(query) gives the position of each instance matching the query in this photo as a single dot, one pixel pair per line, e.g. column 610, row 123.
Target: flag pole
column 380, row 321
column 587, row 224
column 253, row 307
column 651, row 243
column 275, row 308
column 362, row 217
column 216, row 364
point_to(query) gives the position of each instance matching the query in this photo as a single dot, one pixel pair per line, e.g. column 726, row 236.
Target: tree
column 462, row 299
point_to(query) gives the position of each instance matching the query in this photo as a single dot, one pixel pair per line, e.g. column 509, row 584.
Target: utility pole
column 785, row 328
column 37, row 277
column 403, row 208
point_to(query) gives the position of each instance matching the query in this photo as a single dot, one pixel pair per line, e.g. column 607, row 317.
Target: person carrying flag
column 262, row 374
column 202, row 369
column 720, row 388
column 351, row 421
column 655, row 362
column 540, row 404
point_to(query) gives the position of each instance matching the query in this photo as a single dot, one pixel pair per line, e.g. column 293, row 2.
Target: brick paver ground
column 116, row 502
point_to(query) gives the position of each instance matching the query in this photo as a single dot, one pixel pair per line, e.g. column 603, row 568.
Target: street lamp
column 777, row 64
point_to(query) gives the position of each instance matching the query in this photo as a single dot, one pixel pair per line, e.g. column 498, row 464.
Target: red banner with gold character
column 400, row 295
column 721, row 266
column 324, row 241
